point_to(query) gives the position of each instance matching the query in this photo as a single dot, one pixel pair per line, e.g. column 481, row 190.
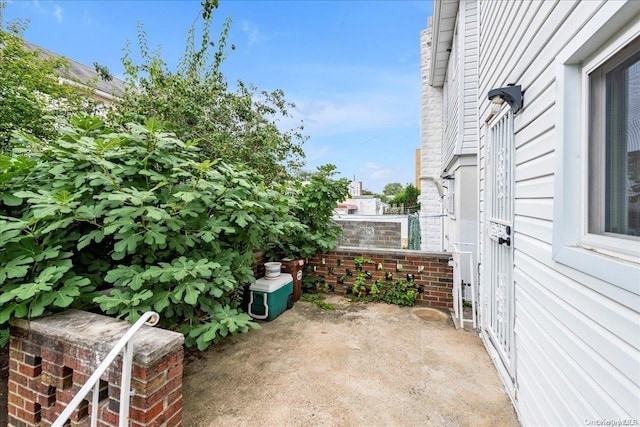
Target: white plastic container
column 272, row 270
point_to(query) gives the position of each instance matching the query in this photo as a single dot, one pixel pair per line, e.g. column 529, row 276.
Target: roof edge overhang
column 444, row 21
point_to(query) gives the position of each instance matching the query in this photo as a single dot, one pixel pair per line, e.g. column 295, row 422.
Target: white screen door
column 498, row 243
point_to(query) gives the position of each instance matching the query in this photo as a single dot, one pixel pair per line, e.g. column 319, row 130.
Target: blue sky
column 351, row 67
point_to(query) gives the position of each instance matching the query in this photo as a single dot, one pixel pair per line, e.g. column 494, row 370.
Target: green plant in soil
column 359, row 285
column 375, row 291
column 400, row 292
column 318, row 300
column 359, row 261
column 308, row 280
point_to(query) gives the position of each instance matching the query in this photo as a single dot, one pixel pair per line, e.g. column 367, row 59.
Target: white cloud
column 38, row 8
column 375, row 171
column 367, row 99
column 43, row 9
column 317, row 153
column 57, row 12
column 254, row 35
column 86, row 18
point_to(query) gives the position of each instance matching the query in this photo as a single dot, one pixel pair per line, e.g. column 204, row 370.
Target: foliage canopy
column 240, row 126
column 31, row 97
column 159, row 213
column 409, row 197
column 392, row 189
column 313, row 207
column 136, row 210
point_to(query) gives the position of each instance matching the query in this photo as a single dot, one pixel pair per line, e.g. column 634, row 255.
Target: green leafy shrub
column 313, row 207
column 400, row 293
column 137, row 216
column 243, row 125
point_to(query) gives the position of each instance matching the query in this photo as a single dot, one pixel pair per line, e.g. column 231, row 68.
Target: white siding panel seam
column 536, row 386
column 536, row 16
column 542, row 56
column 587, row 370
column 499, row 42
column 618, row 304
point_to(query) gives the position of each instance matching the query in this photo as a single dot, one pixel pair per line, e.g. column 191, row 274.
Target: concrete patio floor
column 361, row 365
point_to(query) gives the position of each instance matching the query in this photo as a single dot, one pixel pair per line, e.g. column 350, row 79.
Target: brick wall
column 52, row 357
column 371, row 234
column 430, row 270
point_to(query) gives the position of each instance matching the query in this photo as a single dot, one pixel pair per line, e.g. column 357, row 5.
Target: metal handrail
column 458, row 302
column 150, row 318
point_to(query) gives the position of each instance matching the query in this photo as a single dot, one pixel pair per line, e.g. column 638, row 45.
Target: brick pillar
column 52, row 357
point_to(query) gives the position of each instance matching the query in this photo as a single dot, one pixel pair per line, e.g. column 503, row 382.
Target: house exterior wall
column 418, row 169
column 430, row 142
column 577, row 336
column 355, row 188
column 457, row 143
column 461, row 163
column 451, row 104
column 468, row 70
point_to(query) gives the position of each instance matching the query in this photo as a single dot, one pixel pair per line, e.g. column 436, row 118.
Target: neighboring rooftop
column 85, row 74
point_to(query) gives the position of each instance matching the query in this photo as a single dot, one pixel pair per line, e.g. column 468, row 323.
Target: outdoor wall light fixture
column 510, row 94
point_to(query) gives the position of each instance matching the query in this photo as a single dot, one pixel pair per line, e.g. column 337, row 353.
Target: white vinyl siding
column 451, row 105
column 469, row 83
column 461, row 87
column 577, row 337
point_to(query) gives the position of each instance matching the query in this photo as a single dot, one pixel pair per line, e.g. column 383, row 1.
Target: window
column 451, row 196
column 596, row 211
column 614, row 145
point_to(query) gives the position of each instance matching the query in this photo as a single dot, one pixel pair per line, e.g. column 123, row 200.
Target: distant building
column 355, row 188
column 361, row 205
column 105, row 91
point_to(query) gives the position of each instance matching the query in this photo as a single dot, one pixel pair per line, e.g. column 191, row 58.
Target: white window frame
column 625, row 247
column 451, row 197
column 615, row 260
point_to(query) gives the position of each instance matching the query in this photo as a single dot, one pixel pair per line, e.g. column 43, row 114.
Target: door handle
column 502, row 241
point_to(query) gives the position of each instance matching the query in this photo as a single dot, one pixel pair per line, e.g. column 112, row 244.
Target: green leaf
column 55, row 225
column 11, row 200
column 84, row 241
column 241, row 218
column 17, row 267
column 128, row 244
column 163, row 299
column 29, row 290
column 48, row 253
column 156, row 214
column 191, row 290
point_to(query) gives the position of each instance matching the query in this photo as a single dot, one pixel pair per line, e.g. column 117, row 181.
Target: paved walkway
column 361, row 365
